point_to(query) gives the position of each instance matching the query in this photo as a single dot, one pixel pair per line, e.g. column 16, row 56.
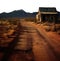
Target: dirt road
column 30, row 44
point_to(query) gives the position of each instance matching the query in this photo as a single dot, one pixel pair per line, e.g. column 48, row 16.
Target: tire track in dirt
column 10, row 48
column 56, row 54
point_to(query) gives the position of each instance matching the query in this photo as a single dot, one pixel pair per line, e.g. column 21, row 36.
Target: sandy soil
column 45, row 45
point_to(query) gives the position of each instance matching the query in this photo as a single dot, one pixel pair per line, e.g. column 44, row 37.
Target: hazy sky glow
column 27, row 5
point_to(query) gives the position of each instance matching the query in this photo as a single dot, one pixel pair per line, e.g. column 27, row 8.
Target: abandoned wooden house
column 46, row 14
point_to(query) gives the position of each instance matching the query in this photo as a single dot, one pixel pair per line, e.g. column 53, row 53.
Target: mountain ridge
column 17, row 13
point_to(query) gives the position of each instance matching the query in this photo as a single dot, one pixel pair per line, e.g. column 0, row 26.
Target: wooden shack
column 46, row 14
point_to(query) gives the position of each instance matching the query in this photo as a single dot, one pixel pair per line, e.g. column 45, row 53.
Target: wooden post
column 40, row 19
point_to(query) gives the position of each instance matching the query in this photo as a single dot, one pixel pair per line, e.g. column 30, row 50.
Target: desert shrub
column 47, row 28
column 12, row 21
column 58, row 32
column 58, row 28
column 30, row 19
column 53, row 28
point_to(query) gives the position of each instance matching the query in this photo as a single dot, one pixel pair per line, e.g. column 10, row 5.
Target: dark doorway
column 45, row 18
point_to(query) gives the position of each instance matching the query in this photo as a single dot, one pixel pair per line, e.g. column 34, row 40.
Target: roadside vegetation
column 7, row 26
column 30, row 19
column 54, row 27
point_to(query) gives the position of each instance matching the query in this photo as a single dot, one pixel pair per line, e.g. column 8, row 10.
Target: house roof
column 47, row 9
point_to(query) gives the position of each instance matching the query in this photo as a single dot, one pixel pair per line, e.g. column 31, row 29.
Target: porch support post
column 40, row 19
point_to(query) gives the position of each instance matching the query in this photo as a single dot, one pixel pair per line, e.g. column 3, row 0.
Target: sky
column 27, row 5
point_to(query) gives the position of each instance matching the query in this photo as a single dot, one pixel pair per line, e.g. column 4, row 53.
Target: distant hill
column 18, row 14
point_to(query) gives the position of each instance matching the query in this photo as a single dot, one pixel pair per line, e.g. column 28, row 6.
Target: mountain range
column 17, row 13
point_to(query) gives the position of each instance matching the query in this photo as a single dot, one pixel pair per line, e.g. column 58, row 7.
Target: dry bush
column 7, row 26
column 58, row 28
column 47, row 28
column 30, row 19
column 52, row 27
column 55, row 27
